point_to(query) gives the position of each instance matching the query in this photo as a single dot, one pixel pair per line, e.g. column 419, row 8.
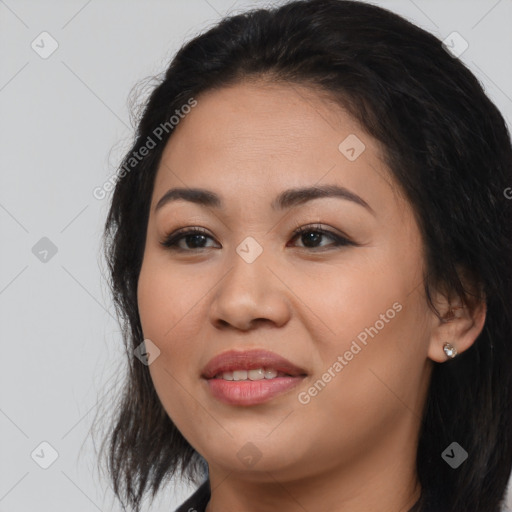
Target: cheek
column 170, row 310
column 165, row 300
column 162, row 319
column 363, row 389
column 371, row 311
column 150, row 291
column 368, row 290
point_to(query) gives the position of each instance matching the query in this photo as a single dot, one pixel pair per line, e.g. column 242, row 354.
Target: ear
column 460, row 324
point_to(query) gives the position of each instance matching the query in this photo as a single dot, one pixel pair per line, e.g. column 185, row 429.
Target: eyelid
column 317, row 226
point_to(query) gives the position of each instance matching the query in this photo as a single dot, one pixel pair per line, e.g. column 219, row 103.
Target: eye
column 194, row 239
column 312, row 235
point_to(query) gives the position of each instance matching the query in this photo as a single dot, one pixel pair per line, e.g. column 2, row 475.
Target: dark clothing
column 198, row 501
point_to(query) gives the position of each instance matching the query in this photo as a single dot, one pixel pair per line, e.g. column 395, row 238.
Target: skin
column 353, row 445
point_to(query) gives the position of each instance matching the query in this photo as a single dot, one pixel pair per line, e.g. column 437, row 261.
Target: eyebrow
column 286, row 199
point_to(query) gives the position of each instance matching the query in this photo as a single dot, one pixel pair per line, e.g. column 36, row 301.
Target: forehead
column 265, row 117
column 253, row 135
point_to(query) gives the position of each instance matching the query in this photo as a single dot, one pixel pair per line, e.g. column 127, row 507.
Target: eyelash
column 171, row 241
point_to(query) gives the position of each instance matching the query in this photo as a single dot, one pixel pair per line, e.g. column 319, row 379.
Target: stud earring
column 449, row 350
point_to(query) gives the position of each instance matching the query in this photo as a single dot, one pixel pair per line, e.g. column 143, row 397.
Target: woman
column 310, row 247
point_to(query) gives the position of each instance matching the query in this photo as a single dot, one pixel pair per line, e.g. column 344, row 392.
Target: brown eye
column 193, row 239
column 312, row 236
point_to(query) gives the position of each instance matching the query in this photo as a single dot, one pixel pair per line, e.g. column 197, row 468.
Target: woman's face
column 343, row 301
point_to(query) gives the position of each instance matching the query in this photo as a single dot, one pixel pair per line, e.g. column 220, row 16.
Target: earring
column 449, row 350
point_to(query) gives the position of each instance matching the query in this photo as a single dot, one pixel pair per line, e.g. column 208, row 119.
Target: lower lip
column 251, row 392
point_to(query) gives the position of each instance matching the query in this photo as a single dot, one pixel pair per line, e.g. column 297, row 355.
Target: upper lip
column 249, row 360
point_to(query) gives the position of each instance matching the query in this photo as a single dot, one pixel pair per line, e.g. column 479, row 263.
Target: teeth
column 256, row 374
column 270, row 373
column 240, row 375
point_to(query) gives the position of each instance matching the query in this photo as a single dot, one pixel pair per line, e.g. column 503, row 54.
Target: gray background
column 64, row 126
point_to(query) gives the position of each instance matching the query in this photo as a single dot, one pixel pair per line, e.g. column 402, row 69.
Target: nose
column 250, row 294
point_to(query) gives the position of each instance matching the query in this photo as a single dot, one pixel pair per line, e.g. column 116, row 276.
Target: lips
column 250, row 360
